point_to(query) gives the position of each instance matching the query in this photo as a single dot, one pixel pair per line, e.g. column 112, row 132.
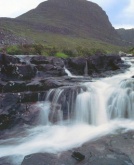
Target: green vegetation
column 131, row 51
column 40, row 49
column 61, row 55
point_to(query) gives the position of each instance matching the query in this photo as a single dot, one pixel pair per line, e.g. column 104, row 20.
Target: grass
column 58, row 41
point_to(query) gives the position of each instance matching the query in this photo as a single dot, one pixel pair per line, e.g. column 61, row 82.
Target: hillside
column 127, row 35
column 68, row 23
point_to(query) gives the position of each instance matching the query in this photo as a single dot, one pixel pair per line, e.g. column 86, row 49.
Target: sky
column 120, row 12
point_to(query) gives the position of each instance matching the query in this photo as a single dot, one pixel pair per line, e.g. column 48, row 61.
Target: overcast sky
column 120, row 12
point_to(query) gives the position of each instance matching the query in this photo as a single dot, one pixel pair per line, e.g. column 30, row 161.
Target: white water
column 70, row 74
column 90, row 119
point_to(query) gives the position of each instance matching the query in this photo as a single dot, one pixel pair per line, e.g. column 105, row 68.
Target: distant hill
column 127, row 35
column 64, row 23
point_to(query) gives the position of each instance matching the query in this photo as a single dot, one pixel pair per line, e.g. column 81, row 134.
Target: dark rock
column 10, row 111
column 78, row 156
column 9, row 101
column 15, row 86
column 29, row 97
column 50, row 83
column 76, row 65
column 51, row 70
column 39, row 60
column 26, row 71
column 9, row 59
column 132, row 76
column 15, row 72
column 96, row 64
column 35, row 85
column 2, row 84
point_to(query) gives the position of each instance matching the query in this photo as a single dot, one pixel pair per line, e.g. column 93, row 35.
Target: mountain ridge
column 80, row 20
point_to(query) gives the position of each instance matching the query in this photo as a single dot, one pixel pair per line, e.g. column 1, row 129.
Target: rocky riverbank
column 26, row 80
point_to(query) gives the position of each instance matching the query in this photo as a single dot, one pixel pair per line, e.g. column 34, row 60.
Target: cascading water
column 121, row 102
column 71, row 116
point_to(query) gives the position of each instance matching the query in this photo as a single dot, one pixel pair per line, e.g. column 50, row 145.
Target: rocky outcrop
column 96, row 64
column 26, row 82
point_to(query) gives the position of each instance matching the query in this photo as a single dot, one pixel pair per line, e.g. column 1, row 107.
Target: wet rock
column 39, row 60
column 26, row 71
column 95, row 64
column 96, row 152
column 76, row 65
column 50, row 83
column 29, row 97
column 7, row 160
column 10, row 59
column 15, row 72
column 2, row 84
column 15, row 86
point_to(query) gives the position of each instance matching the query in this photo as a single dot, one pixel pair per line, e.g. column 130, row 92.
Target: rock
column 51, row 70
column 97, row 152
column 26, row 71
column 76, row 65
column 15, row 72
column 2, row 84
column 132, row 76
column 39, row 60
column 14, row 113
column 29, row 97
column 15, row 86
column 50, row 83
column 10, row 59
column 95, row 64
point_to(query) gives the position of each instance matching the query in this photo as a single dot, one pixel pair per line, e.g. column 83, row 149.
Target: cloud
column 120, row 12
column 14, row 8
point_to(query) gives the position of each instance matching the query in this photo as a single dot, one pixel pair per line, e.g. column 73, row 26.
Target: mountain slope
column 65, row 23
column 72, row 17
column 127, row 35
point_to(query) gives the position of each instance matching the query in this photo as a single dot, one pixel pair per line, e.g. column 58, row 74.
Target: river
column 98, row 108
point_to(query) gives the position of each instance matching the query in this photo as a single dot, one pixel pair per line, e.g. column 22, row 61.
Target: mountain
column 64, row 23
column 127, row 35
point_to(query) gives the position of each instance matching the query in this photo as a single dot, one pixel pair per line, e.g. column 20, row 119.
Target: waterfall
column 59, row 104
column 121, row 102
column 72, row 115
column 85, row 110
column 68, row 72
